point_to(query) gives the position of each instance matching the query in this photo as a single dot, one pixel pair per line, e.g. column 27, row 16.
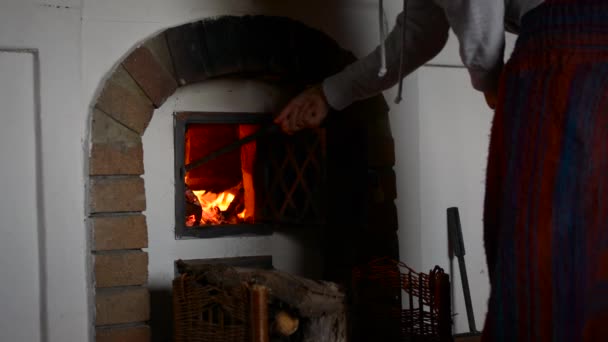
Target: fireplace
column 349, row 183
column 236, row 173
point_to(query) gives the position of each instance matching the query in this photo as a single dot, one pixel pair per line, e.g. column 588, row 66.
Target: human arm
column 426, row 34
column 479, row 27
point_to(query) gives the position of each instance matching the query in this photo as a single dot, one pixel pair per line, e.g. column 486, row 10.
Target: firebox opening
column 236, row 173
column 222, row 190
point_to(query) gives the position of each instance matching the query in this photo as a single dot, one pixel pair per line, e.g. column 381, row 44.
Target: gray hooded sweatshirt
column 480, row 26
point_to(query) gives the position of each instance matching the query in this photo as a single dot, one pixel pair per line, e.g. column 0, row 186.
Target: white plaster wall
column 453, row 150
column 454, row 127
column 53, row 28
column 19, row 250
column 404, row 126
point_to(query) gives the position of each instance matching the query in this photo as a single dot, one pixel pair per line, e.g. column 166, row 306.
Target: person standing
column 546, row 205
column 420, row 34
column 546, row 199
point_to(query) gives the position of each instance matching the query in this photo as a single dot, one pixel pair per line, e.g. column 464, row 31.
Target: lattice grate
column 295, row 178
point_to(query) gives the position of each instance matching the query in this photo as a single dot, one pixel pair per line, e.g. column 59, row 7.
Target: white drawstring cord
column 382, row 21
column 402, row 55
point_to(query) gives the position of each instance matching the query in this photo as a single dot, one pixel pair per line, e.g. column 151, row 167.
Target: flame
column 209, row 200
column 213, row 204
column 242, row 215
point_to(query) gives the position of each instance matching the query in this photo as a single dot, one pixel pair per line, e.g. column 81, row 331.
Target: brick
column 122, row 305
column 160, row 49
column 115, row 149
column 112, row 159
column 231, row 45
column 119, row 232
column 121, row 269
column 117, row 194
column 123, row 99
column 185, row 45
column 381, row 152
column 140, row 333
column 150, row 75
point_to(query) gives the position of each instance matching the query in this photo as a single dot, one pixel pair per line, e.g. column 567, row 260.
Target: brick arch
column 252, row 45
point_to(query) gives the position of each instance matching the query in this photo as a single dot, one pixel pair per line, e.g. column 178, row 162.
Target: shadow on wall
column 161, row 315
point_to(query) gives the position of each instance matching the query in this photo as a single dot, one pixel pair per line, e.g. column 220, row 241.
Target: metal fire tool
column 456, row 242
column 264, row 130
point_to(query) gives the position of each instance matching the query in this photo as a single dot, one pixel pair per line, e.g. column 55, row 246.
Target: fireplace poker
column 456, row 243
column 265, row 130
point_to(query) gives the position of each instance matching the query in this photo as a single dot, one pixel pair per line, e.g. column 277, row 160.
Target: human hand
column 491, row 98
column 307, row 110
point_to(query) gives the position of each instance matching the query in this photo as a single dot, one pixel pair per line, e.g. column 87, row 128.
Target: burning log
column 193, row 208
column 237, row 205
column 205, row 207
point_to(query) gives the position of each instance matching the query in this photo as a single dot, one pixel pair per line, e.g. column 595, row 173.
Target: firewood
column 259, row 313
column 321, row 303
column 285, row 324
column 238, row 203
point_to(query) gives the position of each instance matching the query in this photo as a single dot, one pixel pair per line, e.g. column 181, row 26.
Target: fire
column 214, row 207
column 209, row 200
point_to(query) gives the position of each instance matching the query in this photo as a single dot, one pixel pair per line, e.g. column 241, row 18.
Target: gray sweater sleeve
column 479, row 26
column 426, row 35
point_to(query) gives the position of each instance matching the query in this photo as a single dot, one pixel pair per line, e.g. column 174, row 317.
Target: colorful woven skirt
column 546, row 206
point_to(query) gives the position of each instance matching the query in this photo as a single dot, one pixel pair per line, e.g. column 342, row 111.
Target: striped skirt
column 546, row 206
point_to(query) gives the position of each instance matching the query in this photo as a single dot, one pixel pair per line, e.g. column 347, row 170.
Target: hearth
column 236, row 173
column 350, row 193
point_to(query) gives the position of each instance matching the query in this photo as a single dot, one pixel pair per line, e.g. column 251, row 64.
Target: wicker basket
column 395, row 301
column 202, row 312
